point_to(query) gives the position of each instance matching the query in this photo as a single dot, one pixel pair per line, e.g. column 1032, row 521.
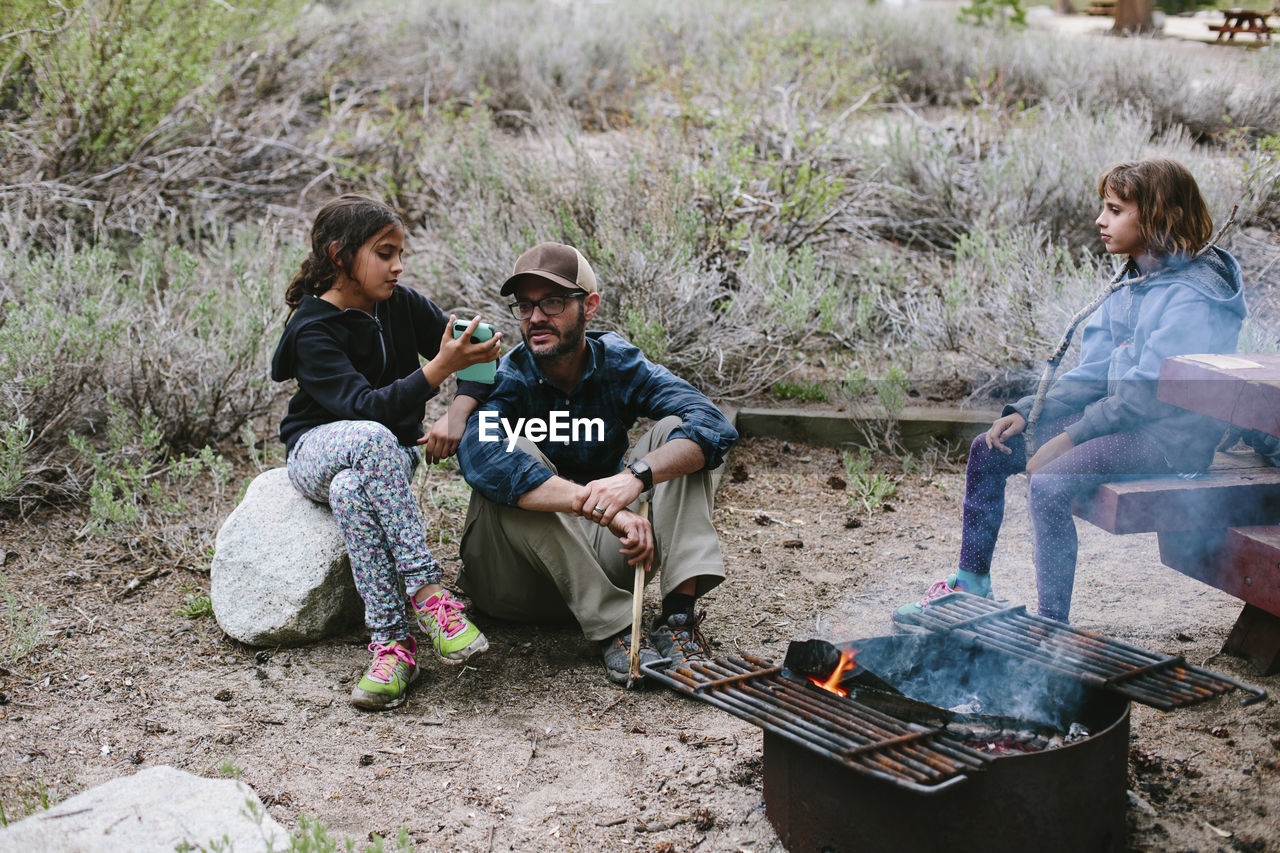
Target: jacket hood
column 312, row 309
column 1216, row 274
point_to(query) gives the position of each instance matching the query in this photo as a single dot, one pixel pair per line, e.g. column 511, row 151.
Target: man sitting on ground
column 552, row 532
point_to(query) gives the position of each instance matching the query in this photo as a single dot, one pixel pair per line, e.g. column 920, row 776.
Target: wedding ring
column 599, row 509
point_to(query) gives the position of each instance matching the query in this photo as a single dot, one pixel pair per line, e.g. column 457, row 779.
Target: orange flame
column 832, row 684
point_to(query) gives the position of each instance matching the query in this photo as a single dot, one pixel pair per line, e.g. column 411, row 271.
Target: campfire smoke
column 971, row 680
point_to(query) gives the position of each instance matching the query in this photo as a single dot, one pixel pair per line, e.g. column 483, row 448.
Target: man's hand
column 1003, row 429
column 636, row 535
column 1049, row 451
column 442, row 440
column 610, row 496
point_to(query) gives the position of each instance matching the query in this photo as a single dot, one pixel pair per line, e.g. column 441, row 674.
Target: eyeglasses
column 550, row 305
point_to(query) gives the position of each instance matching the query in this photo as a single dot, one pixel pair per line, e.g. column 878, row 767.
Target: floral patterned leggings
column 363, row 473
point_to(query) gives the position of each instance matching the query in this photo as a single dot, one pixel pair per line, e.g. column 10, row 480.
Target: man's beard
column 567, row 343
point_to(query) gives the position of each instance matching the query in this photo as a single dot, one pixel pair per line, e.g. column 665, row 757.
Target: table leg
column 1256, row 636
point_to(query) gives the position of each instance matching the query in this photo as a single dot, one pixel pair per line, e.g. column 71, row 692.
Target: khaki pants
column 554, row 566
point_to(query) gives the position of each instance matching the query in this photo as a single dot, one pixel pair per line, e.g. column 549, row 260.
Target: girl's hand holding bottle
column 460, row 352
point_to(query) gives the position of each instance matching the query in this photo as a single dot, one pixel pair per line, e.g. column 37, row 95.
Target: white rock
column 280, row 573
column 154, row 810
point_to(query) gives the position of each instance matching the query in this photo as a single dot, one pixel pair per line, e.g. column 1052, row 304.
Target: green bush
column 1000, row 12
column 196, row 605
column 103, row 77
column 868, row 489
column 60, row 325
column 142, row 356
column 135, row 483
column 805, row 391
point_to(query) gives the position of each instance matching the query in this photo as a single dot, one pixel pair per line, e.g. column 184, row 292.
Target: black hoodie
column 352, row 366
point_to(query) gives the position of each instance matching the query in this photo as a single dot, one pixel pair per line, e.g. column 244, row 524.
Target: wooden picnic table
column 1242, row 21
column 1223, row 527
column 1243, row 390
column 1241, row 556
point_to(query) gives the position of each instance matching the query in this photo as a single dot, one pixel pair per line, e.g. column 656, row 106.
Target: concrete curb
column 918, row 426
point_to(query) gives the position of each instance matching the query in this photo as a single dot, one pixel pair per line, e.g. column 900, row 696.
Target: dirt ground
column 531, row 749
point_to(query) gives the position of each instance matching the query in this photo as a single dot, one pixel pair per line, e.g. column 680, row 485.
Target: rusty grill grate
column 1163, row 682
column 912, row 755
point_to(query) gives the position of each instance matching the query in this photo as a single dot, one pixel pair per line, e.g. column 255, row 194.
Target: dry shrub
column 744, row 207
column 939, row 61
column 158, row 342
column 636, row 220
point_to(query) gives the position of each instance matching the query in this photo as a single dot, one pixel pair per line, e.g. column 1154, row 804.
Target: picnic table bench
column 1242, row 21
column 1222, row 528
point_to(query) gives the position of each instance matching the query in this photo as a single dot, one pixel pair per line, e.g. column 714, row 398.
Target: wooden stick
column 637, row 604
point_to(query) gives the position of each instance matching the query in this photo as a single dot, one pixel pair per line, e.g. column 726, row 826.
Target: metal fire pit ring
column 1063, row 800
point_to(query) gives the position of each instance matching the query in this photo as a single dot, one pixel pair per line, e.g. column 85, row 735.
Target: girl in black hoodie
column 353, row 428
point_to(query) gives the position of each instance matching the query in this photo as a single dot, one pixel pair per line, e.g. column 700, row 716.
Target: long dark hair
column 347, row 221
column 1172, row 216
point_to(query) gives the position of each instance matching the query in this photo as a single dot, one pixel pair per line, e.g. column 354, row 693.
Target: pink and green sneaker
column 454, row 637
column 971, row 582
column 387, row 682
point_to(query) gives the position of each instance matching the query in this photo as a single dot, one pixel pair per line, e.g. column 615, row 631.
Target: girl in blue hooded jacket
column 1103, row 417
column 353, row 343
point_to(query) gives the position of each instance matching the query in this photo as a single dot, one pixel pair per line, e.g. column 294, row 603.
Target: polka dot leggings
column 1074, row 474
column 363, row 473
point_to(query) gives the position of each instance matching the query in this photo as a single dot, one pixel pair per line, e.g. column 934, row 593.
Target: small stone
column 366, row 759
column 223, row 695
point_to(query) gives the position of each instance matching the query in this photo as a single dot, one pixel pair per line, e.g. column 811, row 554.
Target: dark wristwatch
column 642, row 470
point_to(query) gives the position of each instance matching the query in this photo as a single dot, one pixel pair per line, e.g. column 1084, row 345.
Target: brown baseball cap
column 555, row 262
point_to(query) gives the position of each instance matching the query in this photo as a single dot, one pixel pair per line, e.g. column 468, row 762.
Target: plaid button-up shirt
column 618, row 387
